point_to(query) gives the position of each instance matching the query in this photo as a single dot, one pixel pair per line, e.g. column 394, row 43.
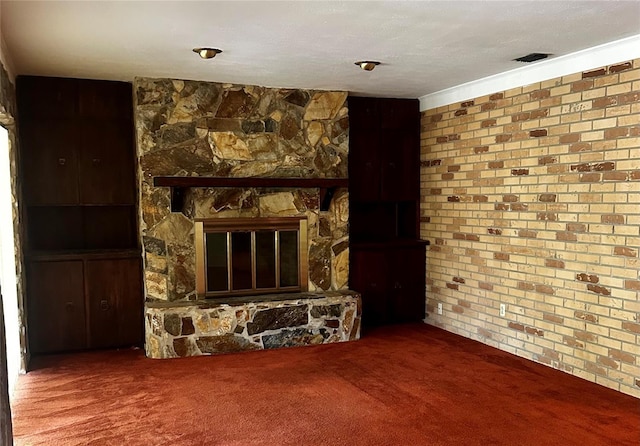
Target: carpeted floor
column 404, row 385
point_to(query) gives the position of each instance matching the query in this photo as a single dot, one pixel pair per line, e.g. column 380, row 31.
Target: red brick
column 494, row 231
column 453, row 199
column 526, row 286
column 519, row 207
column 539, row 94
column 551, row 354
column 488, row 106
column 457, row 309
column 461, row 112
column 612, row 219
column 593, row 368
column 566, row 236
column 472, row 237
column 538, row 133
column 620, row 67
column 481, row 149
column 607, row 101
column 599, row 167
column 552, row 318
column 594, row 73
column 632, row 284
column 503, row 138
column 484, row 332
column 435, row 162
column 628, row 98
column 485, row 286
column 624, row 251
column 619, row 355
column 464, row 303
column 439, row 241
column 452, row 286
column 544, row 289
column 435, row 191
column 608, row 362
column 584, row 336
column 599, row 290
column 425, row 219
column 616, row 132
column 630, row 326
column 582, row 85
column 516, row 326
column 569, row 138
column 495, row 164
column 580, row 147
column 525, row 233
column 510, row 198
column 591, row 278
column 501, row 256
column 458, row 279
column 480, row 198
column 547, row 216
column 585, row 316
column 576, row 227
column 496, row 96
column 581, row 167
column 589, row 177
column 447, row 176
column 521, row 117
column 458, row 236
column 467, row 104
column 553, row 263
column 547, row 198
column 635, row 175
column 488, row 123
column 540, row 113
column 614, row 176
column 501, row 207
column 547, row 160
column 517, row 172
column 442, row 139
column 436, row 118
column 453, row 168
column 534, row 331
column 572, row 342
column 454, row 137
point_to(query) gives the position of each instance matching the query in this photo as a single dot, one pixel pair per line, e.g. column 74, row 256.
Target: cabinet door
column 408, row 284
column 106, row 164
column 364, row 153
column 369, row 275
column 400, row 165
column 49, row 161
column 114, row 294
column 55, row 305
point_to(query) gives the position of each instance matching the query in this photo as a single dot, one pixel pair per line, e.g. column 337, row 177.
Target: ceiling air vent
column 532, row 57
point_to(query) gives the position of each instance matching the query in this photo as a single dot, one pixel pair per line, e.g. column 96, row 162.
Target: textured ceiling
column 423, row 46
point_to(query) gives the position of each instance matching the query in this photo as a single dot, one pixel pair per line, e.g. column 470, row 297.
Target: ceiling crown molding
column 598, row 56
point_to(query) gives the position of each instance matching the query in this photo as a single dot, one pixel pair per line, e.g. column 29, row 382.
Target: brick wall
column 530, row 198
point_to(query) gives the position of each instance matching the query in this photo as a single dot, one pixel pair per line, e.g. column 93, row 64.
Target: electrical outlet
column 503, row 309
column 439, row 308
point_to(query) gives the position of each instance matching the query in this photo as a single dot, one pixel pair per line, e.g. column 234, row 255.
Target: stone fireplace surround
column 189, row 128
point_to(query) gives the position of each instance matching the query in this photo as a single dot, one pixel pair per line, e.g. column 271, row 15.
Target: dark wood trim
column 327, row 186
column 101, row 254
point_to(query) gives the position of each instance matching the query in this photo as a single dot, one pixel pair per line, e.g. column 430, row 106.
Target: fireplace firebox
column 249, row 256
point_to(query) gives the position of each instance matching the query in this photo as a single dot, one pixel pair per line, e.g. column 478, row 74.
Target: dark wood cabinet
column 80, row 301
column 391, row 278
column 77, row 159
column 387, row 263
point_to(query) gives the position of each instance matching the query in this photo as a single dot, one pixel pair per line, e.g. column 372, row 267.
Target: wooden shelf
column 327, row 186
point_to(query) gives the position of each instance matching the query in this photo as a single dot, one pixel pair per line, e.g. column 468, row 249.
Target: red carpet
column 404, row 385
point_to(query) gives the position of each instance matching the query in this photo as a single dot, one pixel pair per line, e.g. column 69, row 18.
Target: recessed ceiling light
column 207, row 53
column 532, row 57
column 367, row 65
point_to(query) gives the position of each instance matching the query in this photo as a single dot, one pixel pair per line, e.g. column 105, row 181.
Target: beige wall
column 530, row 198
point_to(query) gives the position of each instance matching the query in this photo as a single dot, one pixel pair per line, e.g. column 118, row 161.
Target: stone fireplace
column 200, row 129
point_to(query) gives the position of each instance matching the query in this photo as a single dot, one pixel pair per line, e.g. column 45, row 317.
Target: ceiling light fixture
column 367, row 65
column 207, row 53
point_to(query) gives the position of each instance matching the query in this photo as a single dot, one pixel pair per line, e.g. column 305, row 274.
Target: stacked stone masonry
column 189, row 128
column 531, row 198
column 210, row 327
